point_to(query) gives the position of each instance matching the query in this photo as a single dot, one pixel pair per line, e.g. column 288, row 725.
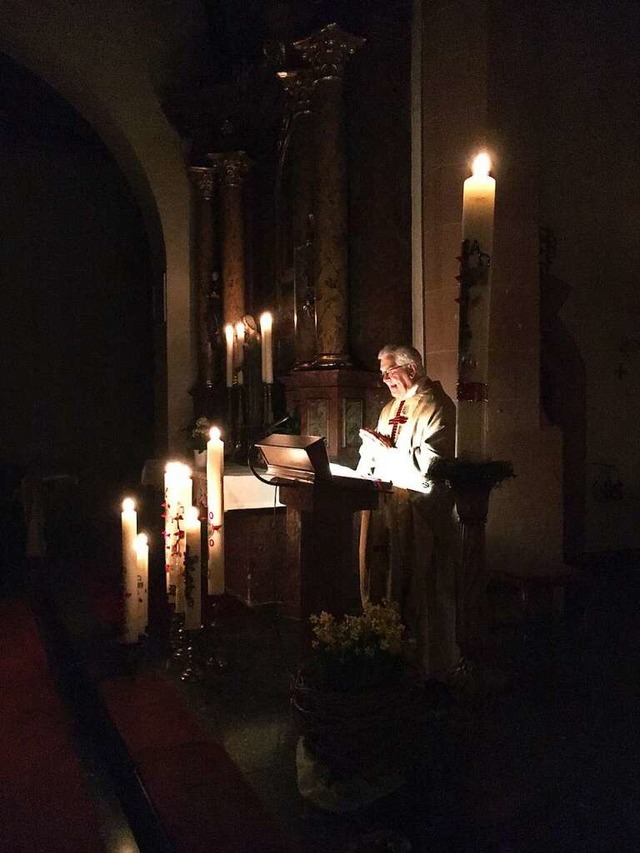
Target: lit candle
column 141, row 547
column 174, row 498
column 129, row 519
column 193, row 571
column 240, row 350
column 215, row 513
column 184, row 492
column 229, row 338
column 478, row 203
column 266, row 329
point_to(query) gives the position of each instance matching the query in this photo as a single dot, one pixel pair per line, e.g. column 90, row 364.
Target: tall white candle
column 478, row 203
column 193, row 571
column 215, row 513
column 174, row 497
column 240, row 351
column 229, row 339
column 266, row 329
column 141, row 547
column 184, row 489
column 129, row 518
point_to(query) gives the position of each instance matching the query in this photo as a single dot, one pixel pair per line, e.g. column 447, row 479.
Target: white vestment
column 409, row 546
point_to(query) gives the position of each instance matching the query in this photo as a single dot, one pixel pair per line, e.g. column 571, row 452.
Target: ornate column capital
column 233, row 167
column 298, row 86
column 327, row 51
column 202, row 178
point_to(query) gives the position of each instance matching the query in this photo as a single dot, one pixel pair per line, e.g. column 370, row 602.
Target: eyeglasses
column 385, row 374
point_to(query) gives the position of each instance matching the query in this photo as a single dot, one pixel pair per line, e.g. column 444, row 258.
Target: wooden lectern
column 321, row 554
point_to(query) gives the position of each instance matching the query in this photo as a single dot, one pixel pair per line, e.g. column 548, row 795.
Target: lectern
column 320, row 561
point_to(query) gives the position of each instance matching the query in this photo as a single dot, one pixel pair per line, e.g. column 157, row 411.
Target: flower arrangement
column 198, row 434
column 356, row 653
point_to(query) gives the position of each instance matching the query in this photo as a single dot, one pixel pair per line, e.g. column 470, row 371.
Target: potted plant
column 359, row 709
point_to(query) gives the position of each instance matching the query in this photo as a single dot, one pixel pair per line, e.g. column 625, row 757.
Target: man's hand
column 374, row 437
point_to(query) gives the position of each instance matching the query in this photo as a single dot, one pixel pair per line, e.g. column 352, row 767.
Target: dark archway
column 76, row 330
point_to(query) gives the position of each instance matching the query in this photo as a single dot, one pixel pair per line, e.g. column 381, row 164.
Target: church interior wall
column 589, row 128
column 552, row 92
column 112, row 62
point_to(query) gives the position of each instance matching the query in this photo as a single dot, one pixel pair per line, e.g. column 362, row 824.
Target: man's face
column 398, row 378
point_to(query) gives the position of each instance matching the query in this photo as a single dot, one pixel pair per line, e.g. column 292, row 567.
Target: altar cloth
column 242, row 490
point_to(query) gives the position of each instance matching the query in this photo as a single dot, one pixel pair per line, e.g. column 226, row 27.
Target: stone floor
column 550, row 763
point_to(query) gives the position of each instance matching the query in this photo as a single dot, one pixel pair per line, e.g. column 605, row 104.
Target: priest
column 409, row 546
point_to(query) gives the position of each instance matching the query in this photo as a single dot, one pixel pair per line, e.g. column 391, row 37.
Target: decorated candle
column 478, row 202
column 141, row 548
column 215, row 513
column 266, row 330
column 129, row 519
column 193, row 571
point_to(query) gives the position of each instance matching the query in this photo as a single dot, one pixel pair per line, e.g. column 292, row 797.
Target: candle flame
column 173, row 467
column 266, row 321
column 240, row 330
column 140, row 542
column 128, row 504
column 214, row 433
column 481, row 165
column 228, row 333
column 192, row 515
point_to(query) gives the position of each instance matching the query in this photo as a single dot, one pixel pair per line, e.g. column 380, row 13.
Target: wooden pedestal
column 320, row 556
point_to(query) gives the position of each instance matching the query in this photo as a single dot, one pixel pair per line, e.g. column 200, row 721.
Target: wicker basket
column 362, row 733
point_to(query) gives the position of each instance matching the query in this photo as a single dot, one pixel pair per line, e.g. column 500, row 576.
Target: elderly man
column 408, row 547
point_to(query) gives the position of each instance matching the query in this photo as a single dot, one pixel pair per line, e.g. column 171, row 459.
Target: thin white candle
column 229, row 338
column 266, row 329
column 184, row 489
column 239, row 351
column 215, row 513
column 478, row 203
column 129, row 518
column 174, row 497
column 193, row 570
column 141, row 548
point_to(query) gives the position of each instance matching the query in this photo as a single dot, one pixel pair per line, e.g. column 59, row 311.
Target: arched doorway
column 76, row 330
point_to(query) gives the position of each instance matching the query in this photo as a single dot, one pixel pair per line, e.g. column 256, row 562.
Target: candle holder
column 239, row 441
column 267, row 404
column 471, row 484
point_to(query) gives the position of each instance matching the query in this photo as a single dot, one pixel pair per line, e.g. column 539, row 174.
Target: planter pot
column 356, row 747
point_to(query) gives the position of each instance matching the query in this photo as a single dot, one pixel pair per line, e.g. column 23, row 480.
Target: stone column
column 207, row 296
column 232, row 168
column 297, row 304
column 327, row 52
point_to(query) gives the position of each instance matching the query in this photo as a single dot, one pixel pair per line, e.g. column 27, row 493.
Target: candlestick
column 193, row 571
column 266, row 329
column 474, row 303
column 141, row 547
column 215, row 513
column 129, row 520
column 229, row 338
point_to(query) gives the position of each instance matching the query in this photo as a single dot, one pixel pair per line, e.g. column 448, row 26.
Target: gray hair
column 404, row 354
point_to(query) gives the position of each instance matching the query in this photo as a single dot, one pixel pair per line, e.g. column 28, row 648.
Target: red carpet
column 201, row 797
column 45, row 804
column 203, row 800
